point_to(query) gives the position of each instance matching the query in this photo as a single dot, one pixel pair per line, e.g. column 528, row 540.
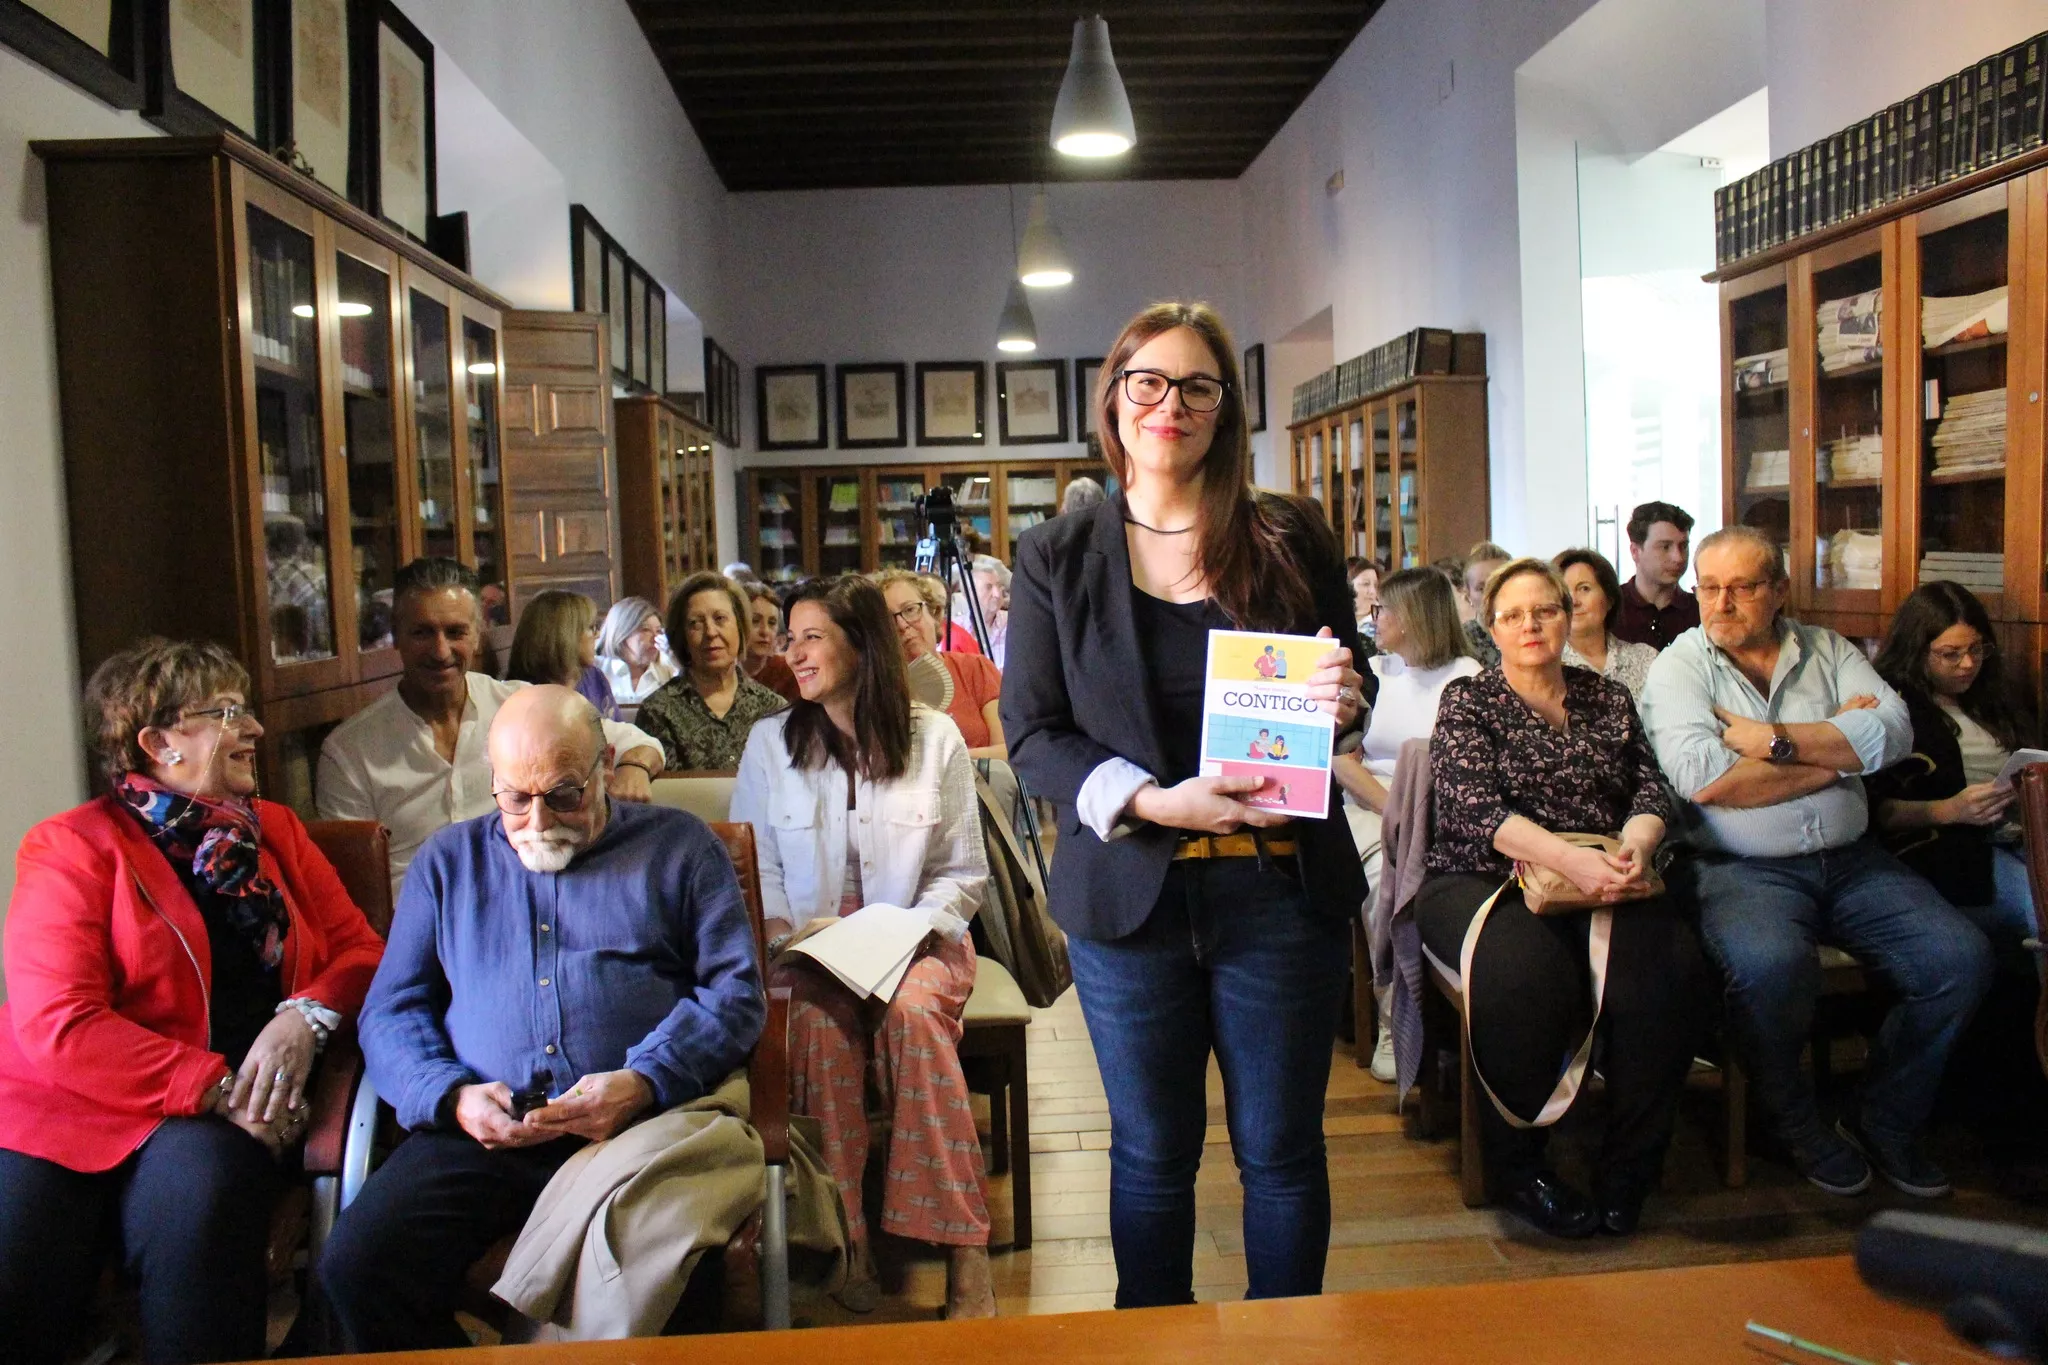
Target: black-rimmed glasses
column 565, row 799
column 1148, row 388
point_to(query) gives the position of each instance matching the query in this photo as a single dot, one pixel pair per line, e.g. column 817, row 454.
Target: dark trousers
column 393, row 1270
column 1763, row 917
column 190, row 1211
column 1230, row 961
column 1533, row 999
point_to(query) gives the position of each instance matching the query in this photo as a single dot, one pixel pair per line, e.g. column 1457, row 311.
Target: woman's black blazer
column 1956, row 858
column 1076, row 693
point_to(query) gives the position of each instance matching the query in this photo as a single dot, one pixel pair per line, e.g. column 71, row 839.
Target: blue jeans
column 1231, row 961
column 2010, row 916
column 1761, row 919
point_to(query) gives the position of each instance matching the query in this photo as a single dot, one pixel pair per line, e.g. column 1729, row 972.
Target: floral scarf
column 213, row 845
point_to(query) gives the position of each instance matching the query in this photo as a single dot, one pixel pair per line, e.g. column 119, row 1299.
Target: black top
column 245, row 994
column 1173, row 638
column 1492, row 756
column 1956, row 858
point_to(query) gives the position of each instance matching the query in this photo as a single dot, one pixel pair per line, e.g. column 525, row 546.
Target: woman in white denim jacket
column 846, row 817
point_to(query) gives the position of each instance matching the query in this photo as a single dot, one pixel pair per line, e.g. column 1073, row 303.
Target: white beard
column 545, row 850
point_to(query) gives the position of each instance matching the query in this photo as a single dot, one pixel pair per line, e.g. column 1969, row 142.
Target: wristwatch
column 1783, row 750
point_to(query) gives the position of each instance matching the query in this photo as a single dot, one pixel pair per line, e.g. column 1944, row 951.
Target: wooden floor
column 1398, row 1219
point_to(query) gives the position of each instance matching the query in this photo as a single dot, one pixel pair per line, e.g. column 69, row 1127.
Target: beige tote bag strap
column 1567, row 1090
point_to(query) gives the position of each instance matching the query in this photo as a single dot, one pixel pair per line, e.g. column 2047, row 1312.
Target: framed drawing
column 1031, row 401
column 1085, row 370
column 617, row 270
column 870, row 406
column 400, row 89
column 586, row 261
column 636, row 324
column 952, row 403
column 202, row 67
column 94, row 44
column 657, row 336
column 320, row 114
column 789, row 407
column 1254, row 378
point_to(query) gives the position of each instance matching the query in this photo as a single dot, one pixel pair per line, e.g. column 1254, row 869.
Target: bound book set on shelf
column 1881, row 415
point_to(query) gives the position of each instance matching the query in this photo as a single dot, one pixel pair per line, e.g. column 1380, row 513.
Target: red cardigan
column 105, row 1030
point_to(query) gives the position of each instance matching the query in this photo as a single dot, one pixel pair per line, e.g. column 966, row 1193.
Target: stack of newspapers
column 1971, row 435
column 1848, row 330
column 1763, row 369
column 1965, row 317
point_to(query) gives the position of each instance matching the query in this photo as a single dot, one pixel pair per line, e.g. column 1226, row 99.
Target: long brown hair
column 1931, row 609
column 1247, row 547
column 881, row 687
column 548, row 646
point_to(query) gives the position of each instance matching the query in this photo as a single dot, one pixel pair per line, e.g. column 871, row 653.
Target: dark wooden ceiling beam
column 691, row 16
column 833, row 105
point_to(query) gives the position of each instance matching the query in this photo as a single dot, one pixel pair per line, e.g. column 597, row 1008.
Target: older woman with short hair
column 630, row 650
column 176, row 954
column 917, row 603
column 702, row 716
column 1523, row 753
column 1596, row 603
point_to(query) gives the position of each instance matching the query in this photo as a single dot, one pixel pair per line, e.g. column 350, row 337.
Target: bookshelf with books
column 665, row 501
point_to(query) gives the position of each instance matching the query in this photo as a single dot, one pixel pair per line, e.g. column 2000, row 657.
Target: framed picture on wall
column 657, row 336
column 1031, row 401
column 952, row 403
column 870, row 406
column 1085, row 370
column 617, row 271
column 586, row 261
column 721, row 393
column 94, row 44
column 402, row 117
column 1255, row 386
column 320, row 118
column 789, row 407
column 202, row 67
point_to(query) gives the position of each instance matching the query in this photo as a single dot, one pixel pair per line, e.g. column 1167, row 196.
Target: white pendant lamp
column 1042, row 261
column 1092, row 117
column 1015, row 330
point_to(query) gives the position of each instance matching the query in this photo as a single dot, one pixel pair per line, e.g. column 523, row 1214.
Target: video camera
column 941, row 528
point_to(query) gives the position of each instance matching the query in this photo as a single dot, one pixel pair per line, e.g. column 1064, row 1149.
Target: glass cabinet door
column 1354, row 535
column 1314, row 454
column 1407, row 505
column 370, row 434
column 1848, row 426
column 1960, row 444
column 778, row 526
column 433, row 427
column 1030, row 496
column 973, row 501
column 290, row 446
column 669, row 473
column 839, row 517
column 486, row 481
column 1379, row 420
column 898, row 527
column 1760, row 428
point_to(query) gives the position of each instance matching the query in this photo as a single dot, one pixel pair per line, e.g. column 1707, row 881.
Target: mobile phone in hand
column 525, row 1102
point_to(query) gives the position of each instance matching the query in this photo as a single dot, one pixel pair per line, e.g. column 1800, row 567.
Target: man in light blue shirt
column 1766, row 726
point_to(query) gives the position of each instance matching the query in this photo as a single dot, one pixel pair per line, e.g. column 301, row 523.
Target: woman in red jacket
column 176, row 954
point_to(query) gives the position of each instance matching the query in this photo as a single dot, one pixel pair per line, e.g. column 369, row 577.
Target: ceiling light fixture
column 352, row 310
column 1015, row 330
column 1042, row 261
column 489, row 367
column 1092, row 117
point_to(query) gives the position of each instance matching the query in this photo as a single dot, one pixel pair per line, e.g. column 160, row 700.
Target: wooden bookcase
column 270, row 402
column 797, row 522
column 1905, row 505
column 666, row 531
column 1402, row 473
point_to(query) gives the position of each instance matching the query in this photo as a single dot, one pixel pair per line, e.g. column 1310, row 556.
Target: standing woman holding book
column 1196, row 922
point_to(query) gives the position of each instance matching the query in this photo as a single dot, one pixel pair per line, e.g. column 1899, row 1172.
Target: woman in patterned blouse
column 702, row 717
column 1523, row 752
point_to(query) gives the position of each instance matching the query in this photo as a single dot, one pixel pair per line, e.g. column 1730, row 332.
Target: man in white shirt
column 414, row 760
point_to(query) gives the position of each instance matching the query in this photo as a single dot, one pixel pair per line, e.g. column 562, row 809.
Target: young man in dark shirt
column 1654, row 609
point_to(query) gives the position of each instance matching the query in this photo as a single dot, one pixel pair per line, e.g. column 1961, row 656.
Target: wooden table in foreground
column 1656, row 1317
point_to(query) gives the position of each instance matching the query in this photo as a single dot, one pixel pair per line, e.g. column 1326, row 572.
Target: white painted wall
column 842, row 276
column 1894, row 48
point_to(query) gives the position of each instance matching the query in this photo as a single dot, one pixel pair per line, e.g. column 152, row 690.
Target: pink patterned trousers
column 936, row 1190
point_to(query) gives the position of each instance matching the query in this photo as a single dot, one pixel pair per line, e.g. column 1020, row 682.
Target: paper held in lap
column 869, row 950
column 2021, row 758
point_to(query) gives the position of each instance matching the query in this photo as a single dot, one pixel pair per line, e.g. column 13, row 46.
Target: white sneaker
column 1383, row 1068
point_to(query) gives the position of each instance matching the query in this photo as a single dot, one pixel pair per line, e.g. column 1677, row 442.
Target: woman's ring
column 283, row 1077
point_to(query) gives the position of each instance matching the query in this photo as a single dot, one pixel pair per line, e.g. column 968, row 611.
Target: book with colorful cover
column 1259, row 721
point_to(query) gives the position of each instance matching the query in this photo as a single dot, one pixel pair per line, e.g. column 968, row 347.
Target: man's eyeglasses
column 1513, row 617
column 232, row 714
column 566, row 799
column 1148, row 388
column 1956, row 658
column 1742, row 590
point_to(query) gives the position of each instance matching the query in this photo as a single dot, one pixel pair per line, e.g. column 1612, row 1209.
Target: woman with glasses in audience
column 1198, row 921
column 1422, row 648
column 1596, row 603
column 1941, row 810
column 702, row 716
column 764, row 662
column 1525, row 752
column 631, row 651
column 918, row 604
column 556, row 642
column 177, row 953
column 1364, row 575
column 858, row 797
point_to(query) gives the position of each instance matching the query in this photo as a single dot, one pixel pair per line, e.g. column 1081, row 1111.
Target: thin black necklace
column 1154, row 529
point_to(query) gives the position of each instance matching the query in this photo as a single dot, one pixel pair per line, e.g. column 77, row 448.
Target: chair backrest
column 708, row 796
column 739, row 842
column 2031, row 783
column 361, row 853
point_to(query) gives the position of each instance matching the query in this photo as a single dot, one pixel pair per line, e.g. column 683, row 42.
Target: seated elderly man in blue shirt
column 592, row 959
column 1766, row 725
